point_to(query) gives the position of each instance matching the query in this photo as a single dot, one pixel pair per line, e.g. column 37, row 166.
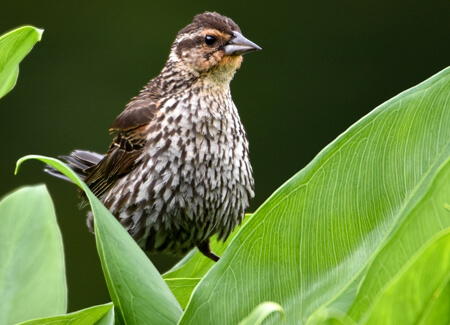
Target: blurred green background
column 324, row 65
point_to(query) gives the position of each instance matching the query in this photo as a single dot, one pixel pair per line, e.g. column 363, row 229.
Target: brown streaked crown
column 211, row 20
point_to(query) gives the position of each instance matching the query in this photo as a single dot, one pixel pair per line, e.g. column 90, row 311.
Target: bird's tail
column 80, row 161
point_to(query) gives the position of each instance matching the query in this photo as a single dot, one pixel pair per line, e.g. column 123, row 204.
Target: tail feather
column 80, row 161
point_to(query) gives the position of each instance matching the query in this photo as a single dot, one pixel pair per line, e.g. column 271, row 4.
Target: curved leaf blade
column 316, row 235
column 14, row 46
column 103, row 314
column 32, row 270
column 261, row 312
column 136, row 287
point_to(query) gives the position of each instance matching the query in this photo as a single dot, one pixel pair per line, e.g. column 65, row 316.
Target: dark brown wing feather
column 138, row 112
column 126, row 147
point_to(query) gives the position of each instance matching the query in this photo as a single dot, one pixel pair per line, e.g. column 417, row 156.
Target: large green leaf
column 311, row 244
column 99, row 315
column 136, row 287
column 32, row 271
column 14, row 46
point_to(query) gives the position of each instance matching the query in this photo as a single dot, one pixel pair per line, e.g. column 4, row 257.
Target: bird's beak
column 240, row 45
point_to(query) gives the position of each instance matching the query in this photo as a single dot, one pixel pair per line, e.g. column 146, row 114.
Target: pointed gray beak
column 240, row 45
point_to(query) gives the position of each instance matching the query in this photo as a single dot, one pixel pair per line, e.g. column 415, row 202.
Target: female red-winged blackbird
column 178, row 170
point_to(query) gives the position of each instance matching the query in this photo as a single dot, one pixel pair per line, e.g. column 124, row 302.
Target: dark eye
column 210, row 40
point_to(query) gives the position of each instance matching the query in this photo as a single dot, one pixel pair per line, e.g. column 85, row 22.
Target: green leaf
column 14, row 46
column 32, row 271
column 311, row 244
column 195, row 264
column 136, row 287
column 437, row 309
column 413, row 269
column 182, row 289
column 103, row 314
column 261, row 312
column 407, row 292
column 185, row 275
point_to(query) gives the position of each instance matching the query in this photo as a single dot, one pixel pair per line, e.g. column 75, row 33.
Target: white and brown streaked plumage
column 178, row 170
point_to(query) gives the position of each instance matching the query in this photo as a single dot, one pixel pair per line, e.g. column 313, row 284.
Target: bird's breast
column 199, row 143
column 194, row 171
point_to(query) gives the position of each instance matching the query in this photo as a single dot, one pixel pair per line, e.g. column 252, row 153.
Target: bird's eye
column 210, row 40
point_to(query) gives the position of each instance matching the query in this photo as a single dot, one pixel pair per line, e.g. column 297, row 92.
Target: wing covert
column 131, row 126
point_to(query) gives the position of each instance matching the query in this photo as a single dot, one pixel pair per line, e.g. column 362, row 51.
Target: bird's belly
column 187, row 193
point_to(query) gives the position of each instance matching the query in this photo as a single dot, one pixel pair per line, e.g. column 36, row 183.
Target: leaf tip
column 21, row 160
column 262, row 311
column 40, row 31
column 18, row 163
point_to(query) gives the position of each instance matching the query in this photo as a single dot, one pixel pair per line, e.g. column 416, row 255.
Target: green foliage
column 359, row 236
column 182, row 289
column 99, row 315
column 32, row 271
column 14, row 46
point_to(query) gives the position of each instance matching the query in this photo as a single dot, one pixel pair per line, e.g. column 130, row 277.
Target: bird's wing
column 126, row 147
column 137, row 113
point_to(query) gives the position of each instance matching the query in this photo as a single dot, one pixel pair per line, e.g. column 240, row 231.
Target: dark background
column 323, row 66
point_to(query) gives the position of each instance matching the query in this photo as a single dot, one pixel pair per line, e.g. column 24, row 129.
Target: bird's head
column 212, row 46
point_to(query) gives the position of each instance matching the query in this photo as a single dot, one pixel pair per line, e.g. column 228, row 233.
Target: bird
column 178, row 169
